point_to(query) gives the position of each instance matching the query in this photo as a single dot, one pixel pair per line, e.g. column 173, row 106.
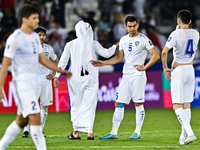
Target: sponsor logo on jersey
column 25, row 44
column 137, row 43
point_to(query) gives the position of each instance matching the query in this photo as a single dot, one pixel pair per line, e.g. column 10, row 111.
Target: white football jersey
column 24, row 51
column 135, row 51
column 184, row 43
column 42, row 70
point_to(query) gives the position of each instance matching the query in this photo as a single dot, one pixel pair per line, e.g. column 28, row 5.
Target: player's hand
column 56, row 83
column 139, row 67
column 167, row 73
column 66, row 73
column 50, row 76
column 97, row 63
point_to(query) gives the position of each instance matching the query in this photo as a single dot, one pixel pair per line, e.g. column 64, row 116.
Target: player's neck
column 26, row 29
column 184, row 26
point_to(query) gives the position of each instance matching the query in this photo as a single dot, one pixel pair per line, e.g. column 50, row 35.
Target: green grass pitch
column 161, row 130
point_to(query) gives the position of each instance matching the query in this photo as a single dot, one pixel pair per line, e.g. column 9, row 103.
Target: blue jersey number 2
column 189, row 48
column 34, row 104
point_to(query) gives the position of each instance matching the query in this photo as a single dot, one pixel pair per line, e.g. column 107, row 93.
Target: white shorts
column 182, row 84
column 132, row 87
column 27, row 101
column 45, row 94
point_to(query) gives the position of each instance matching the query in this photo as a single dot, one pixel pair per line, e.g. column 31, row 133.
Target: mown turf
column 161, row 130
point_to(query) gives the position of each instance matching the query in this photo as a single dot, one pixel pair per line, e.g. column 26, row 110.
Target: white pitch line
column 101, row 147
column 144, row 133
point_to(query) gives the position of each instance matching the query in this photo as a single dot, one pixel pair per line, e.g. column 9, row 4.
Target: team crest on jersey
column 137, row 43
column 46, row 54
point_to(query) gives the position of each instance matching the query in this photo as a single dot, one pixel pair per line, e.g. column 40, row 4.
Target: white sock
column 11, row 133
column 183, row 132
column 38, row 137
column 117, row 118
column 26, row 128
column 183, row 119
column 44, row 114
column 140, row 114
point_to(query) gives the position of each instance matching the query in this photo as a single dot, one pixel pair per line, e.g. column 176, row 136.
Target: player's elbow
column 157, row 56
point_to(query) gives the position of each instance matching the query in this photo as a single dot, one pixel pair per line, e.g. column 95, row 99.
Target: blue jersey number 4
column 189, row 48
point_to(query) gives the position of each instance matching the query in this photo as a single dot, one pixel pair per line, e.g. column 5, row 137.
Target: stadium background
column 161, row 15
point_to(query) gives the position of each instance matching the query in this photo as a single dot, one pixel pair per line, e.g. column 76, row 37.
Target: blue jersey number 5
column 189, row 49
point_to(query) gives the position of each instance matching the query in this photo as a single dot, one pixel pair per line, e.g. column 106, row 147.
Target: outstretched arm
column 51, row 75
column 167, row 71
column 46, row 62
column 115, row 60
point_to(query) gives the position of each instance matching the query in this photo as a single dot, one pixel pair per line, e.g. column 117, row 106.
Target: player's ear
column 138, row 25
column 125, row 27
column 190, row 22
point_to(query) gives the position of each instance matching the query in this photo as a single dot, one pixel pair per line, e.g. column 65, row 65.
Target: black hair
column 185, row 16
column 27, row 10
column 40, row 29
column 130, row 19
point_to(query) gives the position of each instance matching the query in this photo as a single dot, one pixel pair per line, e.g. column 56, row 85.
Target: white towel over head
column 84, row 45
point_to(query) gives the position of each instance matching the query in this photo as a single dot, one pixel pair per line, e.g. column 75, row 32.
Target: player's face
column 42, row 37
column 132, row 28
column 33, row 21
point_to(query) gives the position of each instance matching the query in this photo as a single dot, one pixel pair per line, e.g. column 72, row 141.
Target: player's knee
column 119, row 105
column 138, row 104
column 22, row 122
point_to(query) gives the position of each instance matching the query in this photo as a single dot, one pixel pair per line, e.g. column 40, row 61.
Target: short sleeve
column 10, row 48
column 53, row 55
column 120, row 44
column 171, row 42
column 148, row 44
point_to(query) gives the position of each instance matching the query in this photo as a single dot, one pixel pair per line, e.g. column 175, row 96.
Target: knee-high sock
column 140, row 114
column 183, row 132
column 11, row 133
column 44, row 114
column 26, row 128
column 37, row 136
column 183, row 119
column 117, row 118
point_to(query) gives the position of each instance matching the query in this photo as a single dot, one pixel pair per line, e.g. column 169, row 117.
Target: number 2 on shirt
column 189, row 49
column 34, row 48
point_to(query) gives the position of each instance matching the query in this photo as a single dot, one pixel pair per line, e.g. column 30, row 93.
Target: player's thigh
column 27, row 101
column 177, row 85
column 46, row 95
column 35, row 119
column 123, row 92
column 137, row 88
column 189, row 86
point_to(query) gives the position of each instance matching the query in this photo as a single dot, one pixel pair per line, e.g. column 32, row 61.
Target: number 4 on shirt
column 189, row 48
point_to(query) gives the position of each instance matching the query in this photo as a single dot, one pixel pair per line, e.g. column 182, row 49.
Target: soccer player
column 133, row 48
column 24, row 51
column 44, row 80
column 83, row 86
column 184, row 42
